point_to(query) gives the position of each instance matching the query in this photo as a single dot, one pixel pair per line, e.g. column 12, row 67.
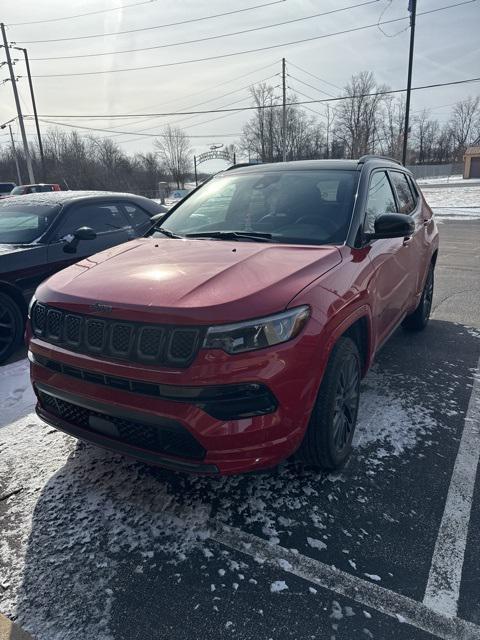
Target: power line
column 215, row 37
column 81, row 15
column 190, row 117
column 160, row 26
column 294, row 90
column 238, row 53
column 148, row 135
column 308, row 98
column 309, row 73
column 196, row 105
column 310, row 85
column 254, row 108
column 210, row 89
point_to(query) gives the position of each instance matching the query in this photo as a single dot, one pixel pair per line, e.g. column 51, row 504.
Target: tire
column 12, row 324
column 328, row 439
column 418, row 320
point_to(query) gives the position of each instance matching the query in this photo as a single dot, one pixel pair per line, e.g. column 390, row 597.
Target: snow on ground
column 73, row 508
column 441, row 179
column 457, row 203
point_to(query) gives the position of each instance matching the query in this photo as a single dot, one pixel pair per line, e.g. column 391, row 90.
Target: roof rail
column 239, row 165
column 372, row 156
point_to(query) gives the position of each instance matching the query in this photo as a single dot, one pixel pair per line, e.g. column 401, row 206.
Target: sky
column 447, row 48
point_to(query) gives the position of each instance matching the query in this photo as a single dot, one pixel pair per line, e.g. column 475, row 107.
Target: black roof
column 67, row 197
column 311, row 165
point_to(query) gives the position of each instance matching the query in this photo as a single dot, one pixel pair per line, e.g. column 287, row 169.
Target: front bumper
column 289, row 374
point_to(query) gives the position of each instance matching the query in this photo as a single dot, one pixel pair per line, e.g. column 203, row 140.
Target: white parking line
column 443, row 586
column 366, row 593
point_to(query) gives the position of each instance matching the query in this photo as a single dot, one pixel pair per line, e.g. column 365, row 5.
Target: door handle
column 427, row 222
column 406, row 242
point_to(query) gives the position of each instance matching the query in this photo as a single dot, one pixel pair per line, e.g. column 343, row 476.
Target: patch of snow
column 389, row 421
column 316, row 544
column 278, row 585
column 336, row 613
column 373, row 576
column 16, row 393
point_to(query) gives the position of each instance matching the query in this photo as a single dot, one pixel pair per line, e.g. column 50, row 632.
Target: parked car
column 6, row 189
column 236, row 333
column 43, row 233
column 23, row 189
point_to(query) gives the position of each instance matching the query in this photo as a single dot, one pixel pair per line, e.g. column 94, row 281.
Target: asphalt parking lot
column 94, row 546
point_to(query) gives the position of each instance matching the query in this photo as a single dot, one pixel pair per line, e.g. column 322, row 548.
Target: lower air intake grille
column 170, row 438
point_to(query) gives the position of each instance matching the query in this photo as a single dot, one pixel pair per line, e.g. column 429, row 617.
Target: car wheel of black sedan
column 11, row 326
column 328, row 439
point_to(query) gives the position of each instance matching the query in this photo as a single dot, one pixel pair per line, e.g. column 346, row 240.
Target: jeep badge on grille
column 101, row 308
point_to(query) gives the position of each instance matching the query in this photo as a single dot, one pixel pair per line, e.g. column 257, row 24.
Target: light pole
column 34, row 105
column 28, row 159
column 412, row 7
column 19, row 175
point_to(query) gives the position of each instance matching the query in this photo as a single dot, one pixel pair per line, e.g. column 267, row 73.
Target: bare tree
column 465, row 124
column 391, row 127
column 174, row 150
column 444, row 145
column 357, row 117
column 426, row 133
column 262, row 135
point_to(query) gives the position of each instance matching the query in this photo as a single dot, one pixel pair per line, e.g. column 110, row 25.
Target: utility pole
column 284, row 113
column 412, row 8
column 34, row 105
column 328, row 131
column 19, row 175
column 31, row 176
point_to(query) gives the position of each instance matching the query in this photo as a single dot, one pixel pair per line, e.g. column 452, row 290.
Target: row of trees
column 367, row 120
column 77, row 162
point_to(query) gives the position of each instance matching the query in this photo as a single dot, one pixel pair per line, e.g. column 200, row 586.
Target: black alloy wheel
column 328, row 439
column 11, row 326
column 418, row 320
column 346, row 403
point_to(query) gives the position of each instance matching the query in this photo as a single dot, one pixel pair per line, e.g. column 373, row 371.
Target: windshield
column 298, row 207
column 21, row 224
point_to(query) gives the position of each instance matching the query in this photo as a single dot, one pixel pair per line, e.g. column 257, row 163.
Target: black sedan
column 45, row 232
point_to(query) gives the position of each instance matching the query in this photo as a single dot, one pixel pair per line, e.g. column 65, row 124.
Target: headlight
column 30, row 306
column 257, row 334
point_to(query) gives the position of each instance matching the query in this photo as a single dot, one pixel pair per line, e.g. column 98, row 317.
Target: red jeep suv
column 236, row 333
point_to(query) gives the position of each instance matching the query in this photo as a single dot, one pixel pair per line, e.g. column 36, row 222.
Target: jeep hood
column 194, row 281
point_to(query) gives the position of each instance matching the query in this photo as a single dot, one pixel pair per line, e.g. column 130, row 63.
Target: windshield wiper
column 167, row 233
column 232, row 235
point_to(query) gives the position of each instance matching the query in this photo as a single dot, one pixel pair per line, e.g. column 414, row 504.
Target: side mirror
column 83, row 233
column 157, row 217
column 392, row 225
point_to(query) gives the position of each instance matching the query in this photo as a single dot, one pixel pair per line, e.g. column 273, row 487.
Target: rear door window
column 406, row 201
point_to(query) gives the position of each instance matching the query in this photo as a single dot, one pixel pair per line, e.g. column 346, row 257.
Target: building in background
column 471, row 167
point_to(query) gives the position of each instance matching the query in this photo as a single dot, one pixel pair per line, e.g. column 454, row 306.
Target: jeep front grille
column 156, row 344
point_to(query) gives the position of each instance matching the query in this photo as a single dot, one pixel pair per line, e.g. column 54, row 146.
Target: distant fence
column 435, row 170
